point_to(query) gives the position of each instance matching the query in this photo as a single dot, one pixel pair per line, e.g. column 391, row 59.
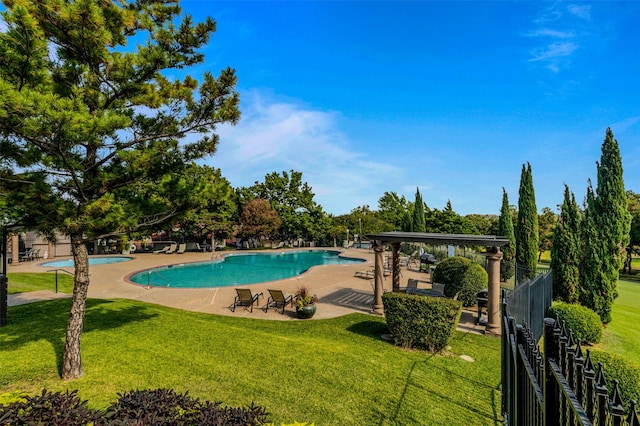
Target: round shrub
column 626, row 372
column 462, row 276
column 450, row 270
column 585, row 323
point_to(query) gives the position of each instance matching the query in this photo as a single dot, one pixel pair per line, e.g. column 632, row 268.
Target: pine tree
column 527, row 226
column 419, row 223
column 566, row 250
column 505, row 229
column 97, row 130
column 606, row 233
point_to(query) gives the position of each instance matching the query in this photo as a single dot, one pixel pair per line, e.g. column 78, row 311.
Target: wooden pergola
column 494, row 256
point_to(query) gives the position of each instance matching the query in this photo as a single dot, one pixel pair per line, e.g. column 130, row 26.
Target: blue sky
column 451, row 97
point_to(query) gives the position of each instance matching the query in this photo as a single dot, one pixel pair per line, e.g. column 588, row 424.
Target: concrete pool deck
column 339, row 291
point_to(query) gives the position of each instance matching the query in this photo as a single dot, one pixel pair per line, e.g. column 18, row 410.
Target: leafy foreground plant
column 147, row 407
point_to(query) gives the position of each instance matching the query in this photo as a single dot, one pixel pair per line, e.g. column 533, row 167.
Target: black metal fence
column 529, row 301
column 557, row 385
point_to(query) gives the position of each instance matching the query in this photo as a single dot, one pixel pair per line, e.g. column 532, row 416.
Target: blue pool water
column 239, row 269
column 92, row 261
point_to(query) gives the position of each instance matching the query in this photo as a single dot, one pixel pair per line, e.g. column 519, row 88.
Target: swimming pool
column 239, row 269
column 92, row 261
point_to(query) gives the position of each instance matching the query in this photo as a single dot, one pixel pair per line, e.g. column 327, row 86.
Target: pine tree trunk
column 71, row 360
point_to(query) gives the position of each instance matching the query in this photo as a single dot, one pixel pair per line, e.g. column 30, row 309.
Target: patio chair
column 364, row 274
column 414, row 259
column 172, row 248
column 245, row 298
column 412, row 286
column 162, row 250
column 181, row 248
column 438, row 288
column 278, row 299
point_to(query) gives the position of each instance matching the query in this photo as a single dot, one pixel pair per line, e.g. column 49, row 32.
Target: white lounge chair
column 172, row 248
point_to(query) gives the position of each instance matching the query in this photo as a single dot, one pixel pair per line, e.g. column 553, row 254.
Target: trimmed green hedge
column 585, row 323
column 421, row 322
column 621, row 369
column 461, row 275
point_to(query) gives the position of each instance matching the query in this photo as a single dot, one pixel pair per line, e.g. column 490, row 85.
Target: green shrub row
column 461, row 276
column 421, row 322
column 583, row 322
column 621, row 369
column 146, row 407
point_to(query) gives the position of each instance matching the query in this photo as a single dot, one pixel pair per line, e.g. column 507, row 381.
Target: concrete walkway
column 339, row 291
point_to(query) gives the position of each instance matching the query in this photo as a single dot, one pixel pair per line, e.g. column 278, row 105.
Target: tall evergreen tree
column 505, row 229
column 418, row 222
column 566, row 250
column 527, row 226
column 605, row 244
column 94, row 121
column 407, row 224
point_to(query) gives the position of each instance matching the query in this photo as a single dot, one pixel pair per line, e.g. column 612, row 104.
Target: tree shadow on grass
column 415, row 385
column 373, row 329
column 47, row 321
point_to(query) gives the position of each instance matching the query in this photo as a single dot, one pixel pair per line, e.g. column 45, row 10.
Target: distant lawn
column 622, row 335
column 333, row 372
column 24, row 282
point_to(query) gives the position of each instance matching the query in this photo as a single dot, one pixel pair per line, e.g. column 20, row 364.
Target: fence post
column 616, row 407
column 602, row 394
column 506, row 360
column 589, row 396
column 521, row 403
column 551, row 397
column 632, row 419
column 578, row 379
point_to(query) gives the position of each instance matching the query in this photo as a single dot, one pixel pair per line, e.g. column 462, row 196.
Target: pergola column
column 15, row 249
column 494, row 256
column 396, row 266
column 378, row 249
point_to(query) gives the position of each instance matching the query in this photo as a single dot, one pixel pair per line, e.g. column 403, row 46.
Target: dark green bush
column 146, row 407
column 583, row 322
column 626, row 372
column 48, row 408
column 165, row 406
column 419, row 321
column 462, row 276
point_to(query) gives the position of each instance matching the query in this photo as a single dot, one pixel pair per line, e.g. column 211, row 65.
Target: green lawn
column 23, row 282
column 334, row 371
column 622, row 334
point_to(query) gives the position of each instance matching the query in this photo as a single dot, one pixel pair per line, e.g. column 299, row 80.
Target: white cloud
column 275, row 135
column 562, row 31
column 554, row 51
column 547, row 32
column 581, row 11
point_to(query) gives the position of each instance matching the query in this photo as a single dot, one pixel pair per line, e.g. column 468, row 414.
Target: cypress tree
column 527, row 226
column 566, row 250
column 419, row 223
column 505, row 229
column 407, row 225
column 606, row 234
